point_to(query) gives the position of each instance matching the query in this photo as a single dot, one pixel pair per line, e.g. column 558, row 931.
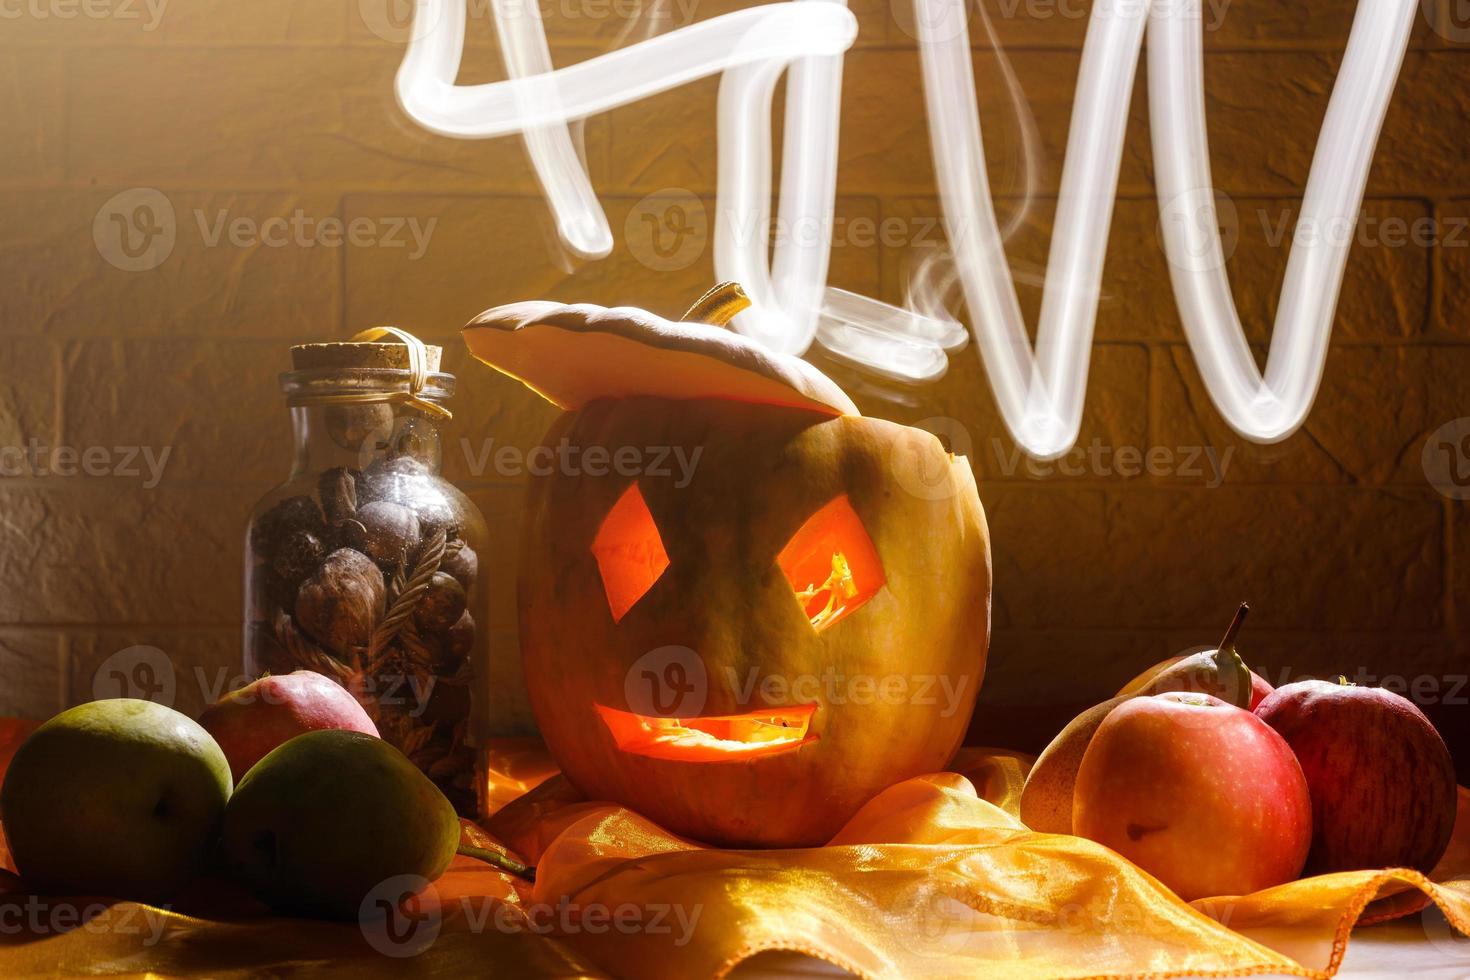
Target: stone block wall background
column 215, row 117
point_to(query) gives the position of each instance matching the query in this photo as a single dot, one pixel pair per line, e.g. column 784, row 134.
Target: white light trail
column 1269, row 409
column 1040, row 393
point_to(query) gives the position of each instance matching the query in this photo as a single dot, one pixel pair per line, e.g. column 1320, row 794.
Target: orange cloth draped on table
column 934, row 877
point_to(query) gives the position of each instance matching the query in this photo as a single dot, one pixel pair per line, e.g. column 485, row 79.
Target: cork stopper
column 359, row 354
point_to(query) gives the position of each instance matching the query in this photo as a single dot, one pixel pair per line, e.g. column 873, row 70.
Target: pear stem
column 1235, row 625
column 495, row 858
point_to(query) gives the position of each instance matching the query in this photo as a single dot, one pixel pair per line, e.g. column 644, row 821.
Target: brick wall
column 1353, row 560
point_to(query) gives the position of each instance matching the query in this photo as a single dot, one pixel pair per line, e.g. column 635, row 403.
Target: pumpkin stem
column 718, row 306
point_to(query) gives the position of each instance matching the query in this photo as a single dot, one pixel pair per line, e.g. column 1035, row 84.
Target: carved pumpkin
column 747, row 649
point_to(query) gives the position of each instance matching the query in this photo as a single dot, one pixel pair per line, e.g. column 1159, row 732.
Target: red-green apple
column 251, row 721
column 1382, row 783
column 1201, row 794
column 120, row 797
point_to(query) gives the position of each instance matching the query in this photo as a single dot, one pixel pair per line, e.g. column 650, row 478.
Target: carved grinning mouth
column 720, row 738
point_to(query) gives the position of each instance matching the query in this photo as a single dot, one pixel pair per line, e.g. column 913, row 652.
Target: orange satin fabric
column 935, row 877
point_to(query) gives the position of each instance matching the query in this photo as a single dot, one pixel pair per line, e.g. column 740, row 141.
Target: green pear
column 120, row 798
column 323, row 819
column 1046, row 797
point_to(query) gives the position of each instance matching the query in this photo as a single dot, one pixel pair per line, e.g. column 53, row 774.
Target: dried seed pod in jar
column 408, row 480
column 340, row 604
column 299, row 513
column 462, row 562
column 435, row 513
column 392, row 531
column 338, row 489
column 395, row 478
column 279, row 594
column 349, row 534
column 297, row 556
column 453, row 646
column 441, row 605
column 350, row 426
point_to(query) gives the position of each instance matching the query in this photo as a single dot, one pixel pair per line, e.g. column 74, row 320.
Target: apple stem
column 507, row 864
column 1235, row 625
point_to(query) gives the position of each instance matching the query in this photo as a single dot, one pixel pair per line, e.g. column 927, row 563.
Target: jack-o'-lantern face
column 745, row 608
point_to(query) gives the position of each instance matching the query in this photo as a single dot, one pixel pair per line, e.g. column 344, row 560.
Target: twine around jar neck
column 418, row 379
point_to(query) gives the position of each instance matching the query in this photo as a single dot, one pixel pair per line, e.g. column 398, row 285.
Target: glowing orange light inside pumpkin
column 831, row 564
column 723, row 738
column 630, row 554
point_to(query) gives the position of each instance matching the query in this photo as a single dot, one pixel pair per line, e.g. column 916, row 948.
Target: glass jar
column 364, row 564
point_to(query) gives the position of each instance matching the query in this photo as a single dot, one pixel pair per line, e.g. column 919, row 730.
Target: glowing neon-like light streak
column 1271, row 408
column 1040, row 392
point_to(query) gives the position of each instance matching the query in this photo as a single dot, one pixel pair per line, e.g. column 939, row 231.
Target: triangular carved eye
column 831, row 564
column 629, row 552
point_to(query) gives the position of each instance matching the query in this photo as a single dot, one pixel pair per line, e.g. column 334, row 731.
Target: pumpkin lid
column 575, row 354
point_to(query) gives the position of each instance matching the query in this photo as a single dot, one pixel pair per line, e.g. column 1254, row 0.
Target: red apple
column 1260, row 688
column 1382, row 783
column 250, row 722
column 1201, row 794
